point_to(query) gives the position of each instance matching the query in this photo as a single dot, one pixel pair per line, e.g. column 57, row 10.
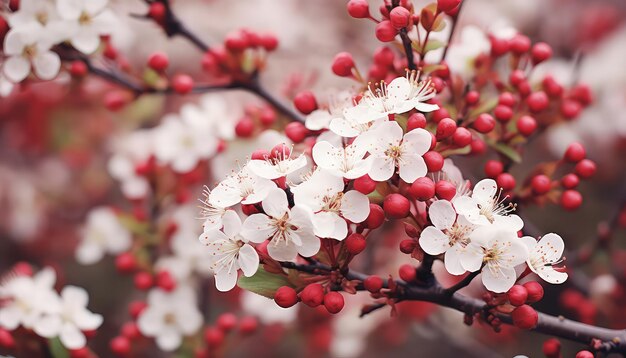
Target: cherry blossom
column 244, row 187
column 229, row 252
column 72, row 320
column 103, row 234
column 213, row 113
column 322, row 118
column 131, row 152
column 350, row 124
column 390, row 149
column 86, row 21
column 450, row 235
column 323, row 194
column 277, row 167
column 170, row 316
column 290, row 230
column 27, row 47
column 544, row 256
column 346, row 161
column 485, row 207
column 42, row 12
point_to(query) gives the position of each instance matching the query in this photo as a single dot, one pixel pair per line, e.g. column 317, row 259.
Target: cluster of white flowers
column 477, row 232
column 103, row 233
column 32, row 302
column 323, row 206
column 39, row 25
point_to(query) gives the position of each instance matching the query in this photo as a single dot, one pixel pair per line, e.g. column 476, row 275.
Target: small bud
column 120, row 346
column 158, row 61
column 214, row 337
column 416, row 120
column 365, row 184
column 343, row 64
column 445, row 128
column 355, row 243
column 537, row 101
column 585, row 168
column 334, row 302
column 484, row 123
column 407, row 273
column 525, row 317
column 493, row 168
column 540, row 52
column 575, row 153
column 526, row 125
column 571, row 200
column 434, row 161
column 520, row 44
column 540, row 184
column 422, row 189
column 245, row 127
column 305, row 102
column 312, row 295
column 517, row 295
column 552, row 348
column 462, row 137
column 286, row 297
column 375, row 218
column 506, row 181
column 385, row 32
column 535, row 291
column 445, row 190
column 400, row 17
column 248, row 325
column 373, row 284
column 226, row 321
column 182, row 84
column 358, row 9
column 396, row 206
column 296, row 132
column 570, row 181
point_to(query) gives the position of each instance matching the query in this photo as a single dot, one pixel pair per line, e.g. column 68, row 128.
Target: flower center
column 458, row 234
column 332, row 203
column 42, row 17
column 394, row 151
column 30, row 51
column 84, row 19
column 169, row 318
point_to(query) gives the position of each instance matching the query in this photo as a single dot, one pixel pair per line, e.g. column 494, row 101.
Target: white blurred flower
column 277, row 167
column 27, row 47
column 461, row 54
column 102, row 234
column 266, row 309
column 130, row 152
column 214, row 114
column 323, row 194
column 484, row 207
column 229, row 252
column 344, row 161
column 290, row 230
column 350, row 125
column 321, row 118
column 72, row 320
column 244, row 187
column 86, row 21
column 170, row 316
column 544, row 255
column 391, row 149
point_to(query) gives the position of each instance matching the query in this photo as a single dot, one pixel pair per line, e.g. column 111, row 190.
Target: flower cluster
column 39, row 25
column 31, row 302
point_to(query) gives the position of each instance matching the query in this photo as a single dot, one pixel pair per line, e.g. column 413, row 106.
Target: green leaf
column 483, row 107
column 57, row 349
column 432, row 68
column 433, row 45
column 510, row 152
column 263, row 283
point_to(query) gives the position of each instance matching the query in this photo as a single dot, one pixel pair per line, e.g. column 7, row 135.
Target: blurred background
column 56, row 139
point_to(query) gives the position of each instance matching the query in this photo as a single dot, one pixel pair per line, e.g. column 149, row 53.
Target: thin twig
column 455, row 21
column 406, row 42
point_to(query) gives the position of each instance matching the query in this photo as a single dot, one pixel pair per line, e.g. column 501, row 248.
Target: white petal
column 398, row 90
column 95, row 6
column 87, row 321
column 355, row 206
column 510, row 222
column 75, row 296
column 275, row 204
column 426, row 107
column 530, row 242
column 10, row 317
column 16, row 68
column 318, row 119
column 189, row 319
column 89, row 252
column 282, row 251
column 327, row 156
column 227, row 193
column 72, row 337
column 412, row 167
column 344, row 127
column 211, row 236
column 471, row 258
column 485, row 190
column 47, row 65
column 417, row 141
column 452, row 261
column 169, row 339
column 264, row 169
column 499, row 281
column 310, row 243
column 387, row 134
column 86, row 41
column 433, row 241
column 466, row 206
column 225, row 279
column 150, row 322
column 232, row 223
column 382, row 168
column 551, row 275
column 248, row 260
column 326, row 224
column 551, row 247
column 257, row 228
column 442, row 214
column 69, row 9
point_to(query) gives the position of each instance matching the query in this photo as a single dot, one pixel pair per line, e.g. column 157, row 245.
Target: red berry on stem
column 305, row 102
column 78, row 68
column 503, row 113
column 540, row 52
column 447, row 5
column 535, row 291
column 499, row 46
column 269, row 42
column 400, row 17
column 115, row 100
column 385, row 32
column 517, row 295
column 445, row 128
column 214, row 337
column 158, row 61
column 506, row 181
column 422, row 189
column 506, row 99
column 157, row 12
column 445, row 190
column 355, row 243
column 407, row 273
column 493, row 168
column 296, row 132
column 226, row 321
column 462, row 137
column 343, row 64
column 120, row 345
column 286, row 297
column 416, row 120
column 396, row 206
column 575, row 153
column 358, row 9
column 516, row 78
column 245, row 127
column 552, row 348
column 165, row 281
column 540, row 184
column 484, row 123
column 520, row 44
column 130, row 330
column 143, row 281
column 407, row 246
column 526, row 125
column 364, row 184
column 6, row 339
column 248, row 325
column 571, row 200
column 182, row 84
column 537, row 101
column 434, row 161
column 570, row 181
column 525, row 317
column 373, row 283
column 312, row 295
column 376, row 217
column 570, row 109
column 334, row 302
column 125, row 262
column 584, row 354
column 383, row 56
column 472, row 97
column 585, row 168
column 135, row 308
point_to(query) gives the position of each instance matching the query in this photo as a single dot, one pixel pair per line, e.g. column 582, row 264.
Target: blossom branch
column 455, row 21
column 406, row 42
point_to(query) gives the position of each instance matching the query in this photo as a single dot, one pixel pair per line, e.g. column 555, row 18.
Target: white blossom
column 544, row 255
column 322, row 118
column 290, row 230
column 277, row 166
column 390, row 149
column 170, row 316
column 86, row 21
column 27, row 47
column 229, row 252
column 103, row 233
column 345, row 161
column 244, row 187
column 350, row 124
column 323, row 194
column 130, row 152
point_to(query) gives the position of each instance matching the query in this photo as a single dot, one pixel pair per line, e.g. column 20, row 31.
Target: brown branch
column 455, row 21
column 406, row 42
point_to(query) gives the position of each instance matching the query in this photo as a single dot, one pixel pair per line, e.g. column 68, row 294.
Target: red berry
column 268, row 117
column 214, row 336
column 462, row 137
column 296, row 132
column 447, row 5
column 537, row 101
column 23, row 268
column 245, row 127
column 552, row 87
column 158, row 61
column 506, row 181
column 484, row 123
column 516, row 78
column 125, row 262
column 396, row 206
column 407, row 246
column 6, row 339
column 440, row 114
column 585, row 168
column 248, row 325
column 526, row 125
column 383, row 56
column 520, row 44
column 130, row 330
column 571, row 200
column 358, row 9
column 584, row 354
column 334, row 302
column 493, row 168
column 575, row 153
column 269, row 42
column 120, row 345
column 541, row 184
column 115, row 100
column 305, row 102
column 312, row 295
column 499, row 46
column 236, row 42
column 165, row 281
column 540, row 52
column 226, row 321
column 355, row 243
column 445, row 190
column 517, row 295
column 582, row 93
column 525, row 317
column 364, row 184
column 472, row 97
column 385, row 32
column 182, row 84
column 343, row 64
column 506, row 99
column 434, row 161
column 376, row 217
column 78, row 68
column 143, row 281
column 503, row 113
column 407, row 273
column 416, row 120
column 535, row 291
column 400, row 17
column 135, row 308
column 552, row 348
column 157, row 12
column 373, row 283
column 570, row 181
column 570, row 109
column 422, row 189
column 445, row 128
column 80, row 353
column 286, row 297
